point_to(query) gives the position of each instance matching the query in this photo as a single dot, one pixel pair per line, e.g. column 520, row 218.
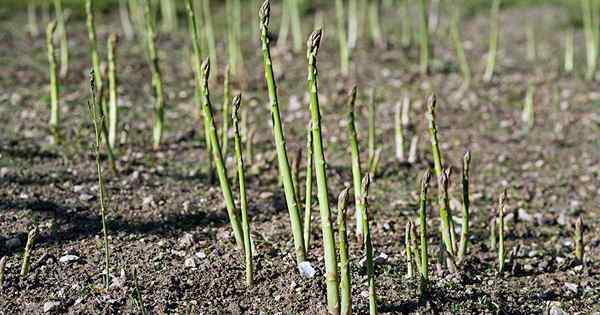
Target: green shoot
column 493, row 237
column 243, row 197
column 569, row 51
column 297, row 38
column 282, row 158
column 97, row 117
column 591, row 23
column 446, row 218
column 308, row 189
column 494, row 34
column 528, row 115
column 32, row 19
column 64, row 43
column 226, row 116
column 371, row 129
column 126, row 20
column 501, row 248
column 345, row 280
column 369, row 247
column 31, row 238
column 424, row 265
column 218, row 157
column 433, row 133
column 578, row 239
column 406, row 27
column 113, row 105
column 458, row 45
column 408, row 249
column 54, row 106
column 424, row 42
column 356, row 172
column 464, row 236
column 374, row 24
column 321, row 174
column 342, row 37
column 168, row 10
column 210, row 36
column 399, row 132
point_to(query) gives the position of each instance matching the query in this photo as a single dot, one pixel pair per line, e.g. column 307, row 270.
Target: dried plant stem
column 138, row 294
column 197, row 60
column 578, row 239
column 159, row 107
column 464, row 236
column 433, row 132
column 31, row 238
column 282, row 158
column 54, row 105
column 424, row 42
column 321, row 175
column 342, row 37
column 494, row 34
column 97, row 117
column 243, row 197
column 356, row 172
column 64, row 43
column 308, row 188
column 218, row 157
column 501, row 248
column 113, row 105
column 345, row 280
column 369, row 247
column 424, row 264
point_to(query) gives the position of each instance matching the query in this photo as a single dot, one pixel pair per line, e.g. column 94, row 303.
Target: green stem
column 374, row 24
column 296, row 25
column 308, row 190
column 342, row 37
column 345, row 280
column 31, row 237
column 578, row 239
column 399, row 133
column 282, row 158
column 433, row 133
column 2, row 266
column 569, row 51
column 218, row 157
column 54, row 105
column 464, row 236
column 424, row 43
column 494, row 34
column 113, row 113
column 210, row 36
column 243, row 197
column 321, row 175
column 371, row 130
column 226, row 116
column 501, row 248
column 356, row 172
column 64, row 43
column 458, row 46
column 369, row 248
column 408, row 250
column 446, row 219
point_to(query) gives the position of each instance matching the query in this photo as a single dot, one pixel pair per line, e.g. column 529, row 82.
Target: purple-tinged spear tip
column 431, row 102
column 343, row 199
column 237, row 100
column 366, row 182
column 265, row 13
column 425, row 180
column 314, row 41
column 206, row 68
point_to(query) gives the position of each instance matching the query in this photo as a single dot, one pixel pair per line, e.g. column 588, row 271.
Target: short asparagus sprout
column 464, row 236
column 412, row 151
column 424, row 264
column 356, row 171
column 446, row 219
column 282, row 158
column 113, row 105
column 408, row 249
column 373, row 168
column 494, row 34
column 64, row 43
column 369, row 247
column 2, row 267
column 138, row 294
column 413, row 246
column 345, row 280
column 97, row 118
column 569, row 51
column 243, row 195
column 308, row 188
column 218, row 157
column 159, row 106
column 433, row 133
column 501, row 248
column 406, row 111
column 399, row 133
column 54, row 105
column 192, row 20
column 459, row 47
column 342, row 37
column 31, row 238
column 321, row 174
column 424, row 41
column 579, row 239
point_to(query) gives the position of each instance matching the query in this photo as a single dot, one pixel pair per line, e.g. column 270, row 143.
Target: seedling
column 579, row 239
column 31, row 238
column 345, row 280
column 54, row 106
column 282, row 158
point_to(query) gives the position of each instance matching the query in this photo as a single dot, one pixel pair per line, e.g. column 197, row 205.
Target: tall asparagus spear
column 356, row 172
column 446, row 218
column 464, row 236
column 308, row 190
column 424, row 270
column 54, row 105
column 243, row 197
column 282, row 158
column 501, row 248
column 494, row 34
column 113, row 106
column 433, row 132
column 218, row 157
column 64, row 43
column 369, row 248
column 345, row 280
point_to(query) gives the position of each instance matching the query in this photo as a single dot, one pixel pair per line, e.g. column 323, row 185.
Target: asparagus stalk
column 284, row 27
column 494, row 34
column 569, row 51
column 226, row 102
column 413, row 246
column 192, row 21
column 446, row 219
column 243, row 196
column 113, row 111
column 159, row 107
column 405, row 17
column 342, row 37
column 433, row 132
column 308, row 190
column 501, row 248
column 345, row 281
column 210, row 36
column 578, row 239
column 375, row 27
column 321, row 174
column 97, row 117
column 369, row 247
column 31, row 238
column 126, row 20
column 408, row 250
column 168, row 10
column 54, row 106
column 424, row 270
column 218, row 157
column 64, row 43
column 371, row 129
column 458, row 46
column 296, row 25
column 528, row 115
column 424, row 43
column 412, row 151
column 232, row 41
column 493, row 237
column 464, row 236
column 353, row 12
column 590, row 22
column 399, row 132
column 91, row 27
column 282, row 158
column 356, row 172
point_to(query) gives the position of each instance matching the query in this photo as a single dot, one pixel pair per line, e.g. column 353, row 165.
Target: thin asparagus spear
column 424, row 43
column 308, row 190
column 342, row 37
column 446, row 218
column 408, row 250
column 210, row 36
column 369, row 247
column 356, row 172
column 579, row 239
column 433, row 132
column 32, row 19
column 464, row 236
column 31, row 238
column 243, row 197
column 282, row 158
column 113, row 111
column 226, row 116
column 501, row 248
column 494, row 34
column 345, row 280
column 569, row 51
column 399, row 132
column 459, row 47
column 218, row 157
column 64, row 43
column 54, row 105
column 371, row 130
